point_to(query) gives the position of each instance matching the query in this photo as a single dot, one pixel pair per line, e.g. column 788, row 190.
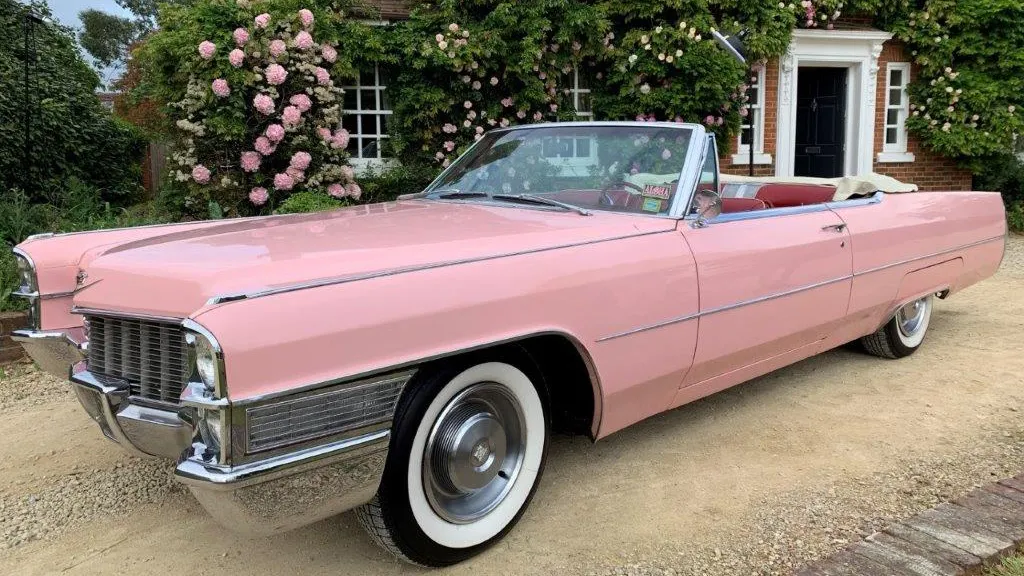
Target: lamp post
column 733, row 44
column 30, row 19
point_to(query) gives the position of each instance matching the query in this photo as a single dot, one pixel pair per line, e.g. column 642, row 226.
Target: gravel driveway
column 755, row 480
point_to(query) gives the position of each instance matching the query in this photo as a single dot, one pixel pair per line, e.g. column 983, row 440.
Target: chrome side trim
column 768, row 297
column 725, row 308
column 31, row 295
column 769, row 213
column 225, row 298
column 925, row 257
column 120, row 314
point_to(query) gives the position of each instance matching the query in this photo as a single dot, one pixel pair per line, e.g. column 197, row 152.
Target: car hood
column 176, row 274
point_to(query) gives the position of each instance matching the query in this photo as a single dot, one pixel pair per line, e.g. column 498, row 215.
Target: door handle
column 834, row 227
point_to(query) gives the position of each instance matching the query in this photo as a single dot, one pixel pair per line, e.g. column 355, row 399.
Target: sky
column 67, row 12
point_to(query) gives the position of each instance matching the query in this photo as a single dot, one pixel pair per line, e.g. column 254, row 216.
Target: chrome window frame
column 689, row 173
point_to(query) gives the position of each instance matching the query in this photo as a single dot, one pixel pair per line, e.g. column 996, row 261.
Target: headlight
column 206, row 362
column 26, row 275
column 211, row 429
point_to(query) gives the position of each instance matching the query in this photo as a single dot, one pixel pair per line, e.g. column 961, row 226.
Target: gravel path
column 758, row 479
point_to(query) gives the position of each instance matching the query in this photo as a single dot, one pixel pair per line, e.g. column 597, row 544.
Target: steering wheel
column 639, row 189
column 607, row 199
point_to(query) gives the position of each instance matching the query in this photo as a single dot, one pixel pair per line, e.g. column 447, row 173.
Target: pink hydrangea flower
column 264, row 146
column 300, row 160
column 283, row 181
column 307, row 17
column 262, row 20
column 340, row 139
column 250, row 161
column 220, row 87
column 449, row 128
column 323, row 77
column 449, row 145
column 506, row 102
column 303, row 41
column 325, row 134
column 709, row 120
column 336, row 190
column 554, row 107
column 467, row 104
column 206, row 49
column 328, row 53
column 277, row 47
column 296, row 174
column 537, row 115
column 241, row 36
column 259, row 196
column 353, row 190
column 201, row 174
column 264, row 104
column 236, row 57
column 291, row 116
column 348, row 173
column 301, row 101
column 439, row 156
column 275, row 132
column 521, row 114
column 276, row 74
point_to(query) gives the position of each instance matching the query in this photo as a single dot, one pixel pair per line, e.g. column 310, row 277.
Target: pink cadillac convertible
column 411, row 359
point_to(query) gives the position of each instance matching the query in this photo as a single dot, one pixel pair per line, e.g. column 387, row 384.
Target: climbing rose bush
column 256, row 109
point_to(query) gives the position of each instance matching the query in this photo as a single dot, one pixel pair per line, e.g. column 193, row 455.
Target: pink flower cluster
column 323, row 77
column 303, row 40
column 277, row 48
column 207, row 49
column 236, row 57
column 350, row 190
column 201, row 174
column 262, row 20
column 282, row 181
column 241, row 36
column 328, row 53
column 220, row 88
column 301, row 101
column 306, row 17
column 291, row 116
column 274, row 133
column 259, row 196
column 250, row 161
column 300, row 160
column 264, row 146
column 264, row 104
column 276, row 74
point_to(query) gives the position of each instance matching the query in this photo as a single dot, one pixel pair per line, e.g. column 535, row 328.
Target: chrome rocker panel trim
column 291, row 490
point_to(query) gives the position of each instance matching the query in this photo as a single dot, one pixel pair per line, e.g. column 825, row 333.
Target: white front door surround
column 855, row 50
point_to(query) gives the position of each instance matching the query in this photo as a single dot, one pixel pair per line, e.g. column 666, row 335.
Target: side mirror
column 707, row 204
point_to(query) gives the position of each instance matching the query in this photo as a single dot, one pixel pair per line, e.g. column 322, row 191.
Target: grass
column 1010, row 566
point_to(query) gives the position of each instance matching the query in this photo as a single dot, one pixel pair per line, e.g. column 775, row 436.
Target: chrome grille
column 323, row 414
column 150, row 355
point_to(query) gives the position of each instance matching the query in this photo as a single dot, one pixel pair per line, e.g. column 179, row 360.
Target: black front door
column 820, row 122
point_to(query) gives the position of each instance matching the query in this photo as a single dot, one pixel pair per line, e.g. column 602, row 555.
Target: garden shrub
column 71, row 133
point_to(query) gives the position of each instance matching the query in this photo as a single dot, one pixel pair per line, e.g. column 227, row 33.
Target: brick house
column 834, row 105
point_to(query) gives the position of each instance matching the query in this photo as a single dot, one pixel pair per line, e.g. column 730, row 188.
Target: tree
column 108, row 38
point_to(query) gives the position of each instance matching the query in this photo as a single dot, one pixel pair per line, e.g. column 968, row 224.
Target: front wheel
column 902, row 335
column 467, row 450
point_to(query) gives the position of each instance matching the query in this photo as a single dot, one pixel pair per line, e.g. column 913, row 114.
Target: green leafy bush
column 71, row 133
column 308, row 202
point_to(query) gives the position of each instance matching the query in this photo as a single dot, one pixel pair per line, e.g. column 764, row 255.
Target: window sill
column 894, row 157
column 743, row 159
column 362, row 166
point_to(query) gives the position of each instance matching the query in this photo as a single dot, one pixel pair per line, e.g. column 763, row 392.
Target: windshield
column 632, row 168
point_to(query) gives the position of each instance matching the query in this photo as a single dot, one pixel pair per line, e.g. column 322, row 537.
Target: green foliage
column 308, row 202
column 1009, row 566
column 1005, row 174
column 71, row 134
column 965, row 100
column 106, row 37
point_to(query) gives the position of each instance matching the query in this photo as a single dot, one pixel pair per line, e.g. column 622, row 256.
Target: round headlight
column 206, row 361
column 26, row 275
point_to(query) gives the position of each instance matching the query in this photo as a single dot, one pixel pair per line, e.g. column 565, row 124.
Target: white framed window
column 755, row 92
column 365, row 114
column 575, row 155
column 897, row 108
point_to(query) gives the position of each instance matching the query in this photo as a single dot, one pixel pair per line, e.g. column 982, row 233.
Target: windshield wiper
column 453, row 194
column 534, row 199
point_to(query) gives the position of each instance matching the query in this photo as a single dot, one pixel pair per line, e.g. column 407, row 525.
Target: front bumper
column 266, row 496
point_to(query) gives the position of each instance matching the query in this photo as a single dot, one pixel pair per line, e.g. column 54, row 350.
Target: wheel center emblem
column 480, row 452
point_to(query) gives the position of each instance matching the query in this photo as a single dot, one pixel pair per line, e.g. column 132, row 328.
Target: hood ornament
column 80, row 278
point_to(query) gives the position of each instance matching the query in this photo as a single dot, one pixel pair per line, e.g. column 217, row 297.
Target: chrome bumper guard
column 288, row 491
column 281, row 492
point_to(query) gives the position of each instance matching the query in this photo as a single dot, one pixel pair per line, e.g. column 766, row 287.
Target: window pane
column 349, row 122
column 892, row 117
column 368, row 99
column 384, row 104
column 384, row 123
column 368, row 123
column 891, row 136
column 350, row 100
column 895, row 97
column 896, row 78
column 585, row 105
column 745, row 135
column 583, row 147
column 353, row 147
column 753, row 94
column 366, row 77
column 370, row 149
column 584, row 81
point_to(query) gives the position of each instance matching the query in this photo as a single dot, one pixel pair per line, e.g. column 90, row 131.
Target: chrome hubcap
column 474, row 453
column 910, row 318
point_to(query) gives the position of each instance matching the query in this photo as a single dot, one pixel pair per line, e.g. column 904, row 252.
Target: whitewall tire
column 467, row 451
column 903, row 334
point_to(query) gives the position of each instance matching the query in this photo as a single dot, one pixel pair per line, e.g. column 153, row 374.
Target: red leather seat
column 742, row 205
column 782, row 195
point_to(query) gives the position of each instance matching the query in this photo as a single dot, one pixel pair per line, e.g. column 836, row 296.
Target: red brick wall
column 929, row 170
column 771, row 113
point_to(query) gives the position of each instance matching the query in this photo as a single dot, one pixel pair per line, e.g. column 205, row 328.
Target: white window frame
column 742, row 155
column 570, row 164
column 361, row 165
column 897, row 151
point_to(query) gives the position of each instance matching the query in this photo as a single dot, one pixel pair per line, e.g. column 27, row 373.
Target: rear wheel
column 467, row 451
column 902, row 335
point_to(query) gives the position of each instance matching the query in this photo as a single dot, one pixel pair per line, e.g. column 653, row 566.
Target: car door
column 771, row 282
